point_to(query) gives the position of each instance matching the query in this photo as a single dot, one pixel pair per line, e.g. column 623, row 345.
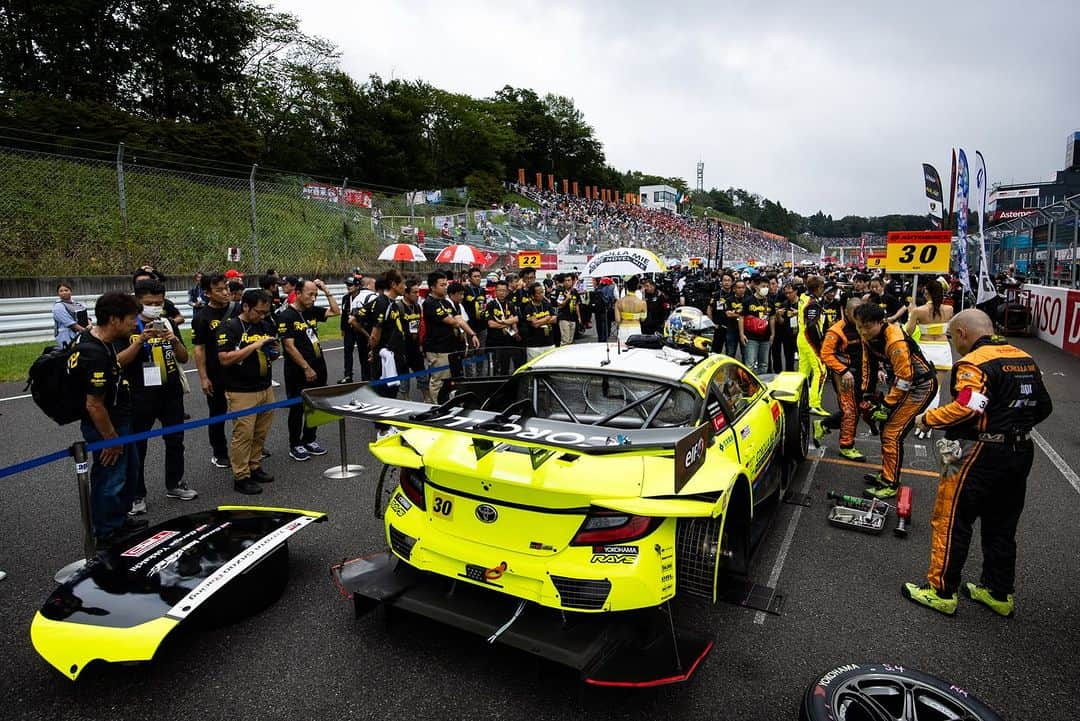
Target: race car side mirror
column 782, row 395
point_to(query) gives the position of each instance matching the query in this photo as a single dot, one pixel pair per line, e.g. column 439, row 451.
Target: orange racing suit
column 914, row 386
column 841, row 351
column 998, row 397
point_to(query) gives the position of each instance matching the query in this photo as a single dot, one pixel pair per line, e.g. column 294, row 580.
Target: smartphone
column 158, row 326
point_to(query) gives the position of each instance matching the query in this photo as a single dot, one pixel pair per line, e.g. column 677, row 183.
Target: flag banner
column 962, row 218
column 986, row 289
column 563, row 245
column 933, row 195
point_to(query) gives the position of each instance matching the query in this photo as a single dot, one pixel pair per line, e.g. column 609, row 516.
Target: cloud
column 830, row 106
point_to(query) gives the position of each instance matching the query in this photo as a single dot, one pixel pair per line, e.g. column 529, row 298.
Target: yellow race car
column 592, row 482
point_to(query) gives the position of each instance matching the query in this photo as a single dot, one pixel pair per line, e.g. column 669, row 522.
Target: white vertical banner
column 986, row 284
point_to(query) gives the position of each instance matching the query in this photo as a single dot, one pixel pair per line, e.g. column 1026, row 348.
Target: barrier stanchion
column 82, row 476
column 344, row 470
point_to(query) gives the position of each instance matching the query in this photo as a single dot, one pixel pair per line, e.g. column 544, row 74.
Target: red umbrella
column 402, row 252
column 465, row 254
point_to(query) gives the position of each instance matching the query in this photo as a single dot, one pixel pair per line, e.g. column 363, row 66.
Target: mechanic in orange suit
column 841, row 351
column 998, row 397
column 913, row 387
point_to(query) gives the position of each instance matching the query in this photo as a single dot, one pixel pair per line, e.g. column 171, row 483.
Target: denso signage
column 1055, row 315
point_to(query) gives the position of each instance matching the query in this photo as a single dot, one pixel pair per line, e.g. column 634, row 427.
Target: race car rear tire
column 797, row 428
column 884, row 692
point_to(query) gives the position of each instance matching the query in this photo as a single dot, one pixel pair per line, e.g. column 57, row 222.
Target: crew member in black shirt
column 349, row 338
column 656, row 307
column 475, row 303
column 409, row 304
column 831, row 310
column 442, row 324
column 305, row 366
column 537, row 322
column 568, row 305
column 107, row 415
column 247, row 345
column 204, row 327
column 786, row 312
column 502, row 327
column 889, row 303
column 153, row 363
column 388, row 335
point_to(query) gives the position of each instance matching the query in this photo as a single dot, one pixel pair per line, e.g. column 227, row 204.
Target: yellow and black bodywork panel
column 502, row 498
column 123, row 604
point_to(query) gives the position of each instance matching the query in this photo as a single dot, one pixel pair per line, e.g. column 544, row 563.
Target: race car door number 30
column 443, row 507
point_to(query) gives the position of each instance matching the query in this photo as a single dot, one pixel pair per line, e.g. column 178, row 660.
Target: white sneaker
column 138, row 507
column 182, row 492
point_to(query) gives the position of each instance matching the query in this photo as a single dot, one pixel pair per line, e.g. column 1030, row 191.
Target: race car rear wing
column 512, row 426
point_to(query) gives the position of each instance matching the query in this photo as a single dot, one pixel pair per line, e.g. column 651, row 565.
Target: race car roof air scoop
column 209, row 568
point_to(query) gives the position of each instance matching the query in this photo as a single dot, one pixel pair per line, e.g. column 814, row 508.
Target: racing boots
column 852, row 454
column 819, row 411
column 927, row 595
column 1001, row 606
column 820, row 431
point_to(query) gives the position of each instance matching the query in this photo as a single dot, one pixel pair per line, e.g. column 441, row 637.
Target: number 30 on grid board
column 925, row 251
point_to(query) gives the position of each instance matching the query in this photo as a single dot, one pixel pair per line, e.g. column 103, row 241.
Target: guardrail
column 29, row 320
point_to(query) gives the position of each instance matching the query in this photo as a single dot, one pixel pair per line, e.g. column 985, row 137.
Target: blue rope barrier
column 34, row 463
column 201, row 422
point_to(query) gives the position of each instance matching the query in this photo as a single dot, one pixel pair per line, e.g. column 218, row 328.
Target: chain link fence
column 87, row 214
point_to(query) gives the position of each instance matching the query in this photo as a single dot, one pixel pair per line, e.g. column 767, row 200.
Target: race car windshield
column 608, row 400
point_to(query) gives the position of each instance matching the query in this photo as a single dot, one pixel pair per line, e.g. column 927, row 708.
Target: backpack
column 54, row 386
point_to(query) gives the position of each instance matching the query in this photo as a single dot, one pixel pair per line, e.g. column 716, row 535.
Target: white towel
column 389, row 366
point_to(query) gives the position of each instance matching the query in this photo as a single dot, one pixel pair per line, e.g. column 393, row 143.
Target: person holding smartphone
column 152, row 362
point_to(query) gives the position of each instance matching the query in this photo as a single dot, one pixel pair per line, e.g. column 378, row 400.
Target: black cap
column 351, row 281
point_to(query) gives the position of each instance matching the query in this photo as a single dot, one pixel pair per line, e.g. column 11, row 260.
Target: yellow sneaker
column 853, row 454
column 927, row 595
column 1002, row 607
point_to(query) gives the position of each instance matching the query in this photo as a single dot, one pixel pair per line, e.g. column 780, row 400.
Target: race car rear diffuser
column 634, row 648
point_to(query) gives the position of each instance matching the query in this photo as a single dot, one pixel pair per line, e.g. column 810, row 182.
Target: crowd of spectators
column 595, row 225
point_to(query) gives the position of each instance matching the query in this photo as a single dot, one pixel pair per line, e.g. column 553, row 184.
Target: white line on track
column 186, row 370
column 778, row 566
column 1069, row 473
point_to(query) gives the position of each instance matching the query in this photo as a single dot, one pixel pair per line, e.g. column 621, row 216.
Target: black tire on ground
column 884, row 692
column 797, row 428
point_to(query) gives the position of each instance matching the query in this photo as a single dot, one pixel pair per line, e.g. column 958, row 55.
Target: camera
column 158, row 326
column 272, row 350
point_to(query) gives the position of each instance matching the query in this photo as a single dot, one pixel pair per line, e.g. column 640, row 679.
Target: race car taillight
column 603, row 527
column 412, row 482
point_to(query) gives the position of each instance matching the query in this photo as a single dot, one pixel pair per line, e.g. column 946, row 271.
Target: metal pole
column 344, row 216
column 82, row 477
column 254, row 222
column 1047, row 275
column 344, row 470
column 120, row 186
column 412, row 199
column 1072, row 253
column 720, row 246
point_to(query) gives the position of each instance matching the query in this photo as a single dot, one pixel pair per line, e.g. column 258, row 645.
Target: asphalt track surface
column 306, row 656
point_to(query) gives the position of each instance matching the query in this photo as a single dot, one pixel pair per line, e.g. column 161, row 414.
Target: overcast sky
column 819, row 105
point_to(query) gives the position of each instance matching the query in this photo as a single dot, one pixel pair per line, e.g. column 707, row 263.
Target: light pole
column 720, row 246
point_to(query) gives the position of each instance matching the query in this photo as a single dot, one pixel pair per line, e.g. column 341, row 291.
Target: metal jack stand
column 344, row 470
column 82, row 474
